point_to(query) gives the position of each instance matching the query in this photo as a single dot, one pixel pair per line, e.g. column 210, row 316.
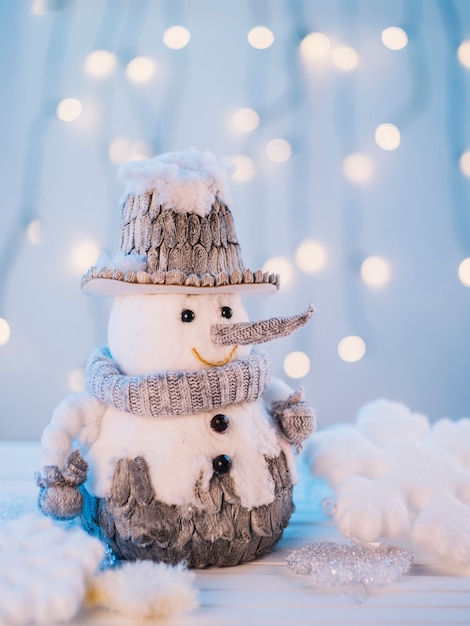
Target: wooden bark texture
column 217, row 531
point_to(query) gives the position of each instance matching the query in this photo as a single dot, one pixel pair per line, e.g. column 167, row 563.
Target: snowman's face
column 151, row 333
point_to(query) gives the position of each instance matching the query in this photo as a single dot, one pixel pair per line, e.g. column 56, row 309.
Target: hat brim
column 107, row 286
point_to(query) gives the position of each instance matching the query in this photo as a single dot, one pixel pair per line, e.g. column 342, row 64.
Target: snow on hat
column 177, row 232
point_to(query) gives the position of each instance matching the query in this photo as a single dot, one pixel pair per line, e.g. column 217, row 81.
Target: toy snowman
column 181, row 449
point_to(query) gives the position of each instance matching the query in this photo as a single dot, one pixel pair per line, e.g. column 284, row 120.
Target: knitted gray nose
column 252, row 333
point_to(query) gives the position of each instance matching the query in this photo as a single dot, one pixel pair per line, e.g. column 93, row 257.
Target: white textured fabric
column 185, row 181
column 399, row 477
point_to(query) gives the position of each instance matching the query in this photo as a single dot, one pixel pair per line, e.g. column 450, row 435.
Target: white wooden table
column 265, row 592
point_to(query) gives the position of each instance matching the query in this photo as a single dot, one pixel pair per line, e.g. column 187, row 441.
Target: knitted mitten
column 59, row 494
column 295, row 417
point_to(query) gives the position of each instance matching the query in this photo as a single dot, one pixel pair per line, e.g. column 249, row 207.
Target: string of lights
column 138, row 89
column 25, row 226
column 456, row 108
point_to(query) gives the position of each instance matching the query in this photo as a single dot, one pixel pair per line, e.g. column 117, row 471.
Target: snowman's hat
column 177, row 233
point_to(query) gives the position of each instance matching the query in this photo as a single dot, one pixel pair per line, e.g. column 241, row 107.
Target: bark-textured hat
column 177, row 232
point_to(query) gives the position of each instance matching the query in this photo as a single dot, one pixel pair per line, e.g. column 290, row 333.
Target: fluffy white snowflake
column 43, row 570
column 399, row 477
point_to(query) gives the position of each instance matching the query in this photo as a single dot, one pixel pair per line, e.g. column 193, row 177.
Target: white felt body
column 180, row 449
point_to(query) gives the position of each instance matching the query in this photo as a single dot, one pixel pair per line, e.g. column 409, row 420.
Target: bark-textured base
column 216, row 531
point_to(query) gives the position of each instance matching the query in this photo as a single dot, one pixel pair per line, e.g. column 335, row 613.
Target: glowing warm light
column 83, row 255
column 315, row 46
column 463, row 53
column 464, row 163
column 4, row 331
column 282, row 266
column 69, row 109
column 119, row 150
column 464, row 272
column 246, row 120
column 375, row 271
column 345, row 58
column 351, row 348
column 260, row 37
column 76, row 380
column 33, row 232
column 278, row 150
column 296, row 365
column 140, row 69
column 387, row 136
column 100, row 63
column 140, row 151
column 176, row 37
column 394, row 38
column 358, row 168
column 311, row 256
column 39, row 7
column 245, row 168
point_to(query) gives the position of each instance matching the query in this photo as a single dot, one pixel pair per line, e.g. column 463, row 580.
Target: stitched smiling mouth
column 215, row 363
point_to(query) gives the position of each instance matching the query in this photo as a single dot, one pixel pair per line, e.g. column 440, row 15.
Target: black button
column 219, row 423
column 222, row 464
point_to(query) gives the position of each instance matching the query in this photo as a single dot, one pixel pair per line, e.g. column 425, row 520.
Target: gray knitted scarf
column 176, row 392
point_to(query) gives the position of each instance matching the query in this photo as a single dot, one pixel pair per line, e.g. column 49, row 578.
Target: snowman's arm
column 278, row 391
column 76, row 419
column 295, row 417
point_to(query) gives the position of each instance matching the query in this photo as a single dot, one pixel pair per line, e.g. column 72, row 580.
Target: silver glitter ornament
column 330, row 564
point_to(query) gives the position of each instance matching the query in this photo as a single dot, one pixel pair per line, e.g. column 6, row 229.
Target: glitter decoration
column 334, row 565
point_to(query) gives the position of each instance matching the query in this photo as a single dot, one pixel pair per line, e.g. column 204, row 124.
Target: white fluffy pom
column 387, row 423
column 43, row 570
column 144, row 589
column 398, row 477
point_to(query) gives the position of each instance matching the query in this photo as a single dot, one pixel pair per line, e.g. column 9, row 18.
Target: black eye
column 226, row 312
column 187, row 315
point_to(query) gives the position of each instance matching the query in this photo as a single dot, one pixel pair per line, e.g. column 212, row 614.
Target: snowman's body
column 181, row 449
column 191, row 514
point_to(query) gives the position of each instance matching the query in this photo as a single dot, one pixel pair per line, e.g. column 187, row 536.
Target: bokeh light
column 260, row 37
column 464, row 272
column 39, row 7
column 140, row 69
column 100, row 63
column 464, row 163
column 463, row 53
column 246, row 120
column 119, row 150
column 278, row 150
column 83, row 255
column 282, row 266
column 310, row 256
column 140, row 151
column 76, row 380
column 394, row 38
column 351, row 348
column 176, row 37
column 69, row 109
column 358, row 168
column 315, row 46
column 345, row 58
column 296, row 364
column 33, row 232
column 245, row 168
column 375, row 271
column 387, row 136
column 4, row 332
